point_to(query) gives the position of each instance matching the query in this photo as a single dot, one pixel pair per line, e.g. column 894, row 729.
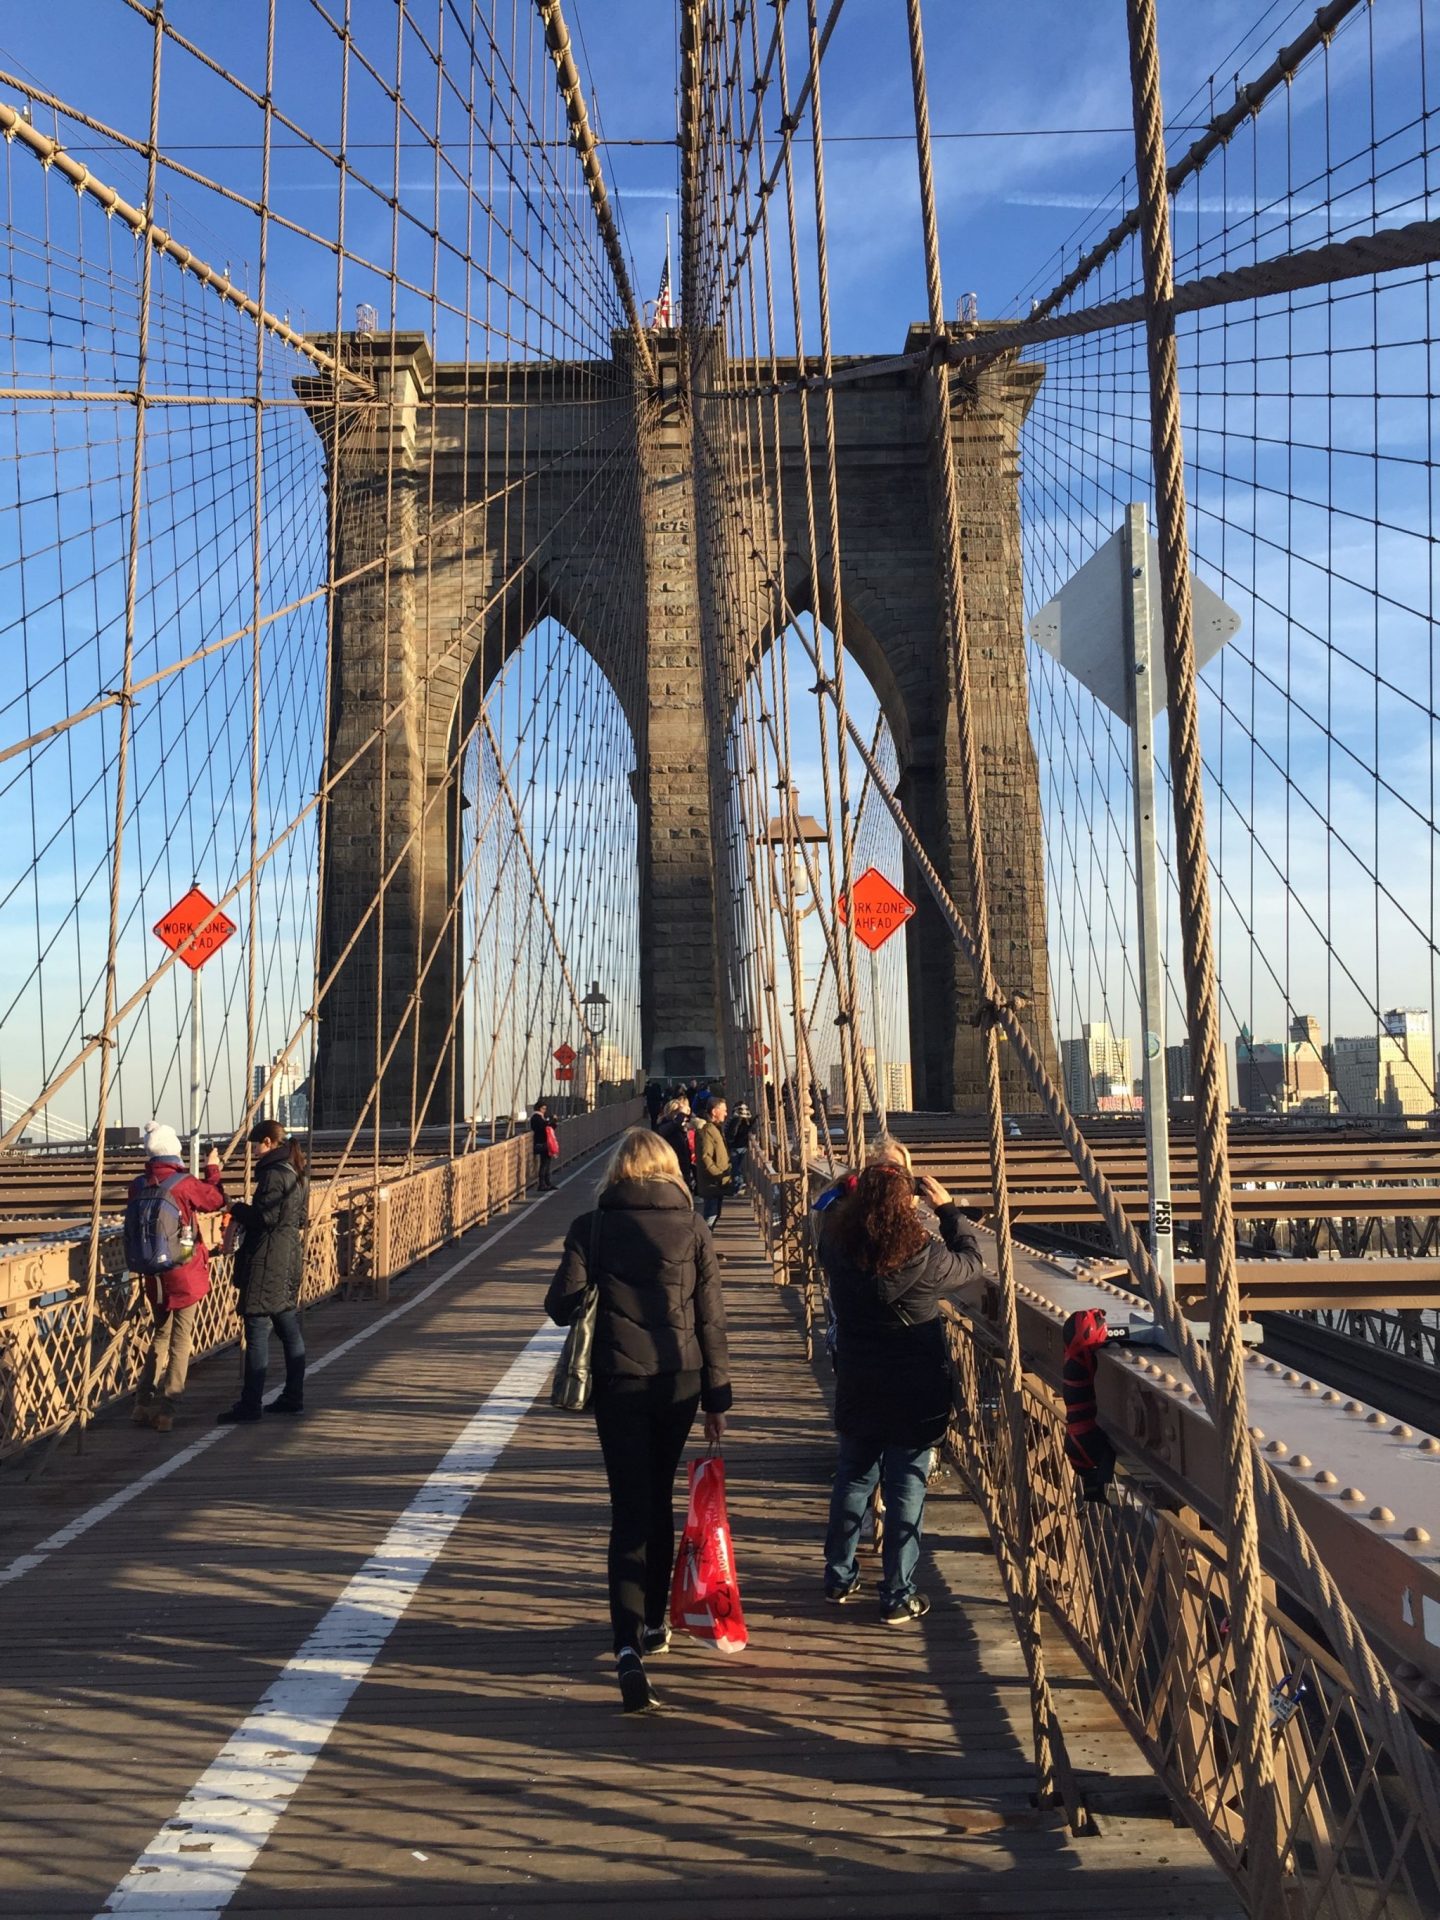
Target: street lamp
column 594, row 1005
column 593, row 1010
column 795, row 830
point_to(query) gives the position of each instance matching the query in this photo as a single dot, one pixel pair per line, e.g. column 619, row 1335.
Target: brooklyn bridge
column 864, row 568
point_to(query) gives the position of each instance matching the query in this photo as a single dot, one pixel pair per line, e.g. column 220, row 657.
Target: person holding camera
column 887, row 1274
column 172, row 1262
column 269, row 1266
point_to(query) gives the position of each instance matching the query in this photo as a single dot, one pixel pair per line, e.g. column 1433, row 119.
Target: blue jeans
column 257, row 1353
column 902, row 1473
column 708, row 1206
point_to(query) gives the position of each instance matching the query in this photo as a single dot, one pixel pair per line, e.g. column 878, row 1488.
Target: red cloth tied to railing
column 1087, row 1445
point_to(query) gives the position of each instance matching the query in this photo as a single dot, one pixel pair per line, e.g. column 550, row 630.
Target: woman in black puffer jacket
column 887, row 1275
column 660, row 1354
column 268, row 1268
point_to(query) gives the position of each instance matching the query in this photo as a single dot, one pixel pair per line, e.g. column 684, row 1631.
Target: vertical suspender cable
column 122, row 752
column 1247, row 1629
column 1051, row 1765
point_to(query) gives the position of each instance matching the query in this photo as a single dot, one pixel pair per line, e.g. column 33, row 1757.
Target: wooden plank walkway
column 480, row 1764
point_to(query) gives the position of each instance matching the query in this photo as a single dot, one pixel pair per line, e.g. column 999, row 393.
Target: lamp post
column 795, row 830
column 593, row 1010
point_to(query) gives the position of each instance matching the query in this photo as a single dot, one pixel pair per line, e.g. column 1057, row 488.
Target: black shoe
column 285, row 1403
column 233, row 1416
column 655, row 1640
column 841, row 1596
column 636, row 1693
column 904, row 1613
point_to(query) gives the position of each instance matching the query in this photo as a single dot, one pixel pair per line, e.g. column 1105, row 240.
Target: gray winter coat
column 269, row 1263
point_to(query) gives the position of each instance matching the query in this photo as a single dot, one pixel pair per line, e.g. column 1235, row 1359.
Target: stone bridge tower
column 467, row 506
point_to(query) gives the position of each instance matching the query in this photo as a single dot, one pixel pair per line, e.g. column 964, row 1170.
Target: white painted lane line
column 72, row 1530
column 194, row 1866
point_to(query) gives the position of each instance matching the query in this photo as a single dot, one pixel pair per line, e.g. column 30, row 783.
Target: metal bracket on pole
column 1138, row 613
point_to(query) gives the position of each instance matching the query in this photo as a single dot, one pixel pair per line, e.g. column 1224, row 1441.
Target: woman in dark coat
column 660, row 1354
column 268, row 1269
column 887, row 1275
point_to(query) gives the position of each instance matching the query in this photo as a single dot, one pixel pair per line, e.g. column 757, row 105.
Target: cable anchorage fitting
column 989, row 1013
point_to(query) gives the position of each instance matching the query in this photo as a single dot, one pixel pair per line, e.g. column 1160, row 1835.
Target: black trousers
column 643, row 1426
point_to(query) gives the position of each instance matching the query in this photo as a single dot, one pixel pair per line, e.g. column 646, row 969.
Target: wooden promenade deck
column 477, row 1762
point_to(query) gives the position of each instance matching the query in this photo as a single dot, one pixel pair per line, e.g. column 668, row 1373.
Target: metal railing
column 357, row 1238
column 1139, row 1587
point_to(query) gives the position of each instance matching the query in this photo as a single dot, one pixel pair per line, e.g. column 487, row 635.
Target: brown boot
column 162, row 1419
column 142, row 1414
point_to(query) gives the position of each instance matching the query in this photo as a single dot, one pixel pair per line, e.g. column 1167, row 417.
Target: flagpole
column 670, row 284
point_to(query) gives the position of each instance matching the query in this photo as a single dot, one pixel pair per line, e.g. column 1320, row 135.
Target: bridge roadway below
column 184, row 1687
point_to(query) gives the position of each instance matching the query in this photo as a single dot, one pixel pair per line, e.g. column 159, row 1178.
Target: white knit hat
column 160, row 1142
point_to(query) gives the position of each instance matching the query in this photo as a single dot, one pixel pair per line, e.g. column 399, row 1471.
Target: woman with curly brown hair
column 887, row 1275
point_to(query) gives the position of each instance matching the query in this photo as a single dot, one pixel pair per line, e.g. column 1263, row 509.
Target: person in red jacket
column 175, row 1292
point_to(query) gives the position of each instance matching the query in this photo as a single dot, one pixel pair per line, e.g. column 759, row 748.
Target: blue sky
column 1335, row 590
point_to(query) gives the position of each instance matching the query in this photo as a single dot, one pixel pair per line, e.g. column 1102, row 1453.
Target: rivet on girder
column 1324, row 1478
column 1302, row 1463
column 1420, row 1535
column 1382, row 1516
column 1353, row 1496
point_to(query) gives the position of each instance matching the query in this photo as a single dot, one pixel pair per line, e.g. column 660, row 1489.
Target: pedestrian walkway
column 365, row 1657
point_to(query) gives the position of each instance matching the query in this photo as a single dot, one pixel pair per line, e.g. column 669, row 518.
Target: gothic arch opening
column 780, row 735
column 543, row 860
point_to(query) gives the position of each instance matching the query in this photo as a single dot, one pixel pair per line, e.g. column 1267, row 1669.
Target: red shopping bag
column 705, row 1590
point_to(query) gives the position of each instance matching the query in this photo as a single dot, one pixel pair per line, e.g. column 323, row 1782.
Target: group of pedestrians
column 891, row 1246
column 167, row 1251
column 661, row 1354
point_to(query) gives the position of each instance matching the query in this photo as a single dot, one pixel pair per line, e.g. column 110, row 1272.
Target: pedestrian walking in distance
column 547, row 1144
column 737, row 1139
column 173, row 1265
column 676, row 1128
column 887, row 1275
column 268, row 1267
column 712, row 1162
column 660, row 1355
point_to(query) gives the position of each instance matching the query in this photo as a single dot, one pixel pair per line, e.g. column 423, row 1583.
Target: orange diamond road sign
column 178, row 928
column 565, row 1054
column 880, row 909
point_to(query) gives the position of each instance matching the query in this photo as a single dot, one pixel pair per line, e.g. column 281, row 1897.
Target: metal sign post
column 1138, row 632
column 1103, row 627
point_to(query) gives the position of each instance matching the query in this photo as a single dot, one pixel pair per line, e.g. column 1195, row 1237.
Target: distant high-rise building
column 287, row 1098
column 899, row 1097
column 1285, row 1076
column 837, row 1084
column 613, row 1066
column 1180, row 1074
column 1388, row 1072
column 1097, row 1070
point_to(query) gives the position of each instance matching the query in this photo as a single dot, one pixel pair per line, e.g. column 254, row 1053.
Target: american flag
column 664, row 309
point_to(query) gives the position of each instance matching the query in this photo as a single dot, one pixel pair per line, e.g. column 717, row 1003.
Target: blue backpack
column 157, row 1234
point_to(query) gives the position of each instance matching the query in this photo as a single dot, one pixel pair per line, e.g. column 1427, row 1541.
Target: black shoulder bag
column 574, row 1376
